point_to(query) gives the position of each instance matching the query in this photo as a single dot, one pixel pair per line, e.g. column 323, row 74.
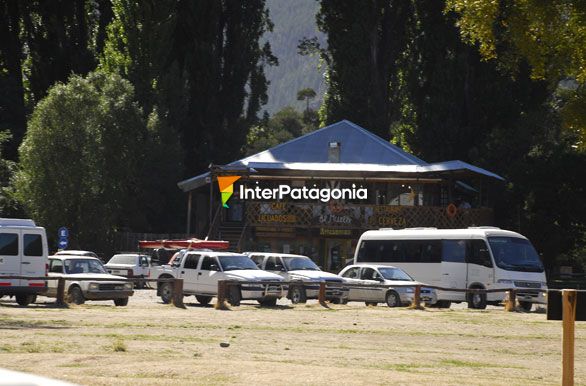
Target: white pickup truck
column 131, row 265
column 201, row 270
column 305, row 271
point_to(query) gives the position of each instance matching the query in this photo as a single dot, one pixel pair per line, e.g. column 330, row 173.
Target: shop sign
column 334, row 232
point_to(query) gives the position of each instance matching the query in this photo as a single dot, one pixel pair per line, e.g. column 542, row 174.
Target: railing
column 350, row 216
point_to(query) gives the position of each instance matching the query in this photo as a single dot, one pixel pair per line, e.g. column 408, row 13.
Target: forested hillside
column 293, row 20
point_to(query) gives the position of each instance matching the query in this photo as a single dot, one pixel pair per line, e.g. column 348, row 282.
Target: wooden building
column 401, row 191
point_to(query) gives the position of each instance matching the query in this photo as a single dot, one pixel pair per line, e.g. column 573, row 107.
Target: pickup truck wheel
column 526, row 306
column 76, row 296
column 203, row 300
column 121, row 302
column 166, row 292
column 235, row 296
column 297, row 295
column 25, row 300
column 268, row 302
column 476, row 300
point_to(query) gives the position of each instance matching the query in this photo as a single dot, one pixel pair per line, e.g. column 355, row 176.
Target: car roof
column 371, row 265
column 213, row 253
column 73, row 257
column 76, row 252
column 276, row 254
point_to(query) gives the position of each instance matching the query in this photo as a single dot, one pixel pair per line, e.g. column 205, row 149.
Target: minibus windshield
column 515, row 254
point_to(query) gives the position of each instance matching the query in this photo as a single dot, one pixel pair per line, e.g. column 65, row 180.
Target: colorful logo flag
column 226, row 185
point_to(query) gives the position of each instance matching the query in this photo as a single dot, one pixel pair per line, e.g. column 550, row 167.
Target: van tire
column 297, row 295
column 393, row 299
column 25, row 300
column 203, row 300
column 121, row 302
column 234, row 296
column 76, row 296
column 476, row 301
column 166, row 292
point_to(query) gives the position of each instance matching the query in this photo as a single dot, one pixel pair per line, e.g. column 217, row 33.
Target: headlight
column 128, row 286
column 505, row 281
column 94, row 286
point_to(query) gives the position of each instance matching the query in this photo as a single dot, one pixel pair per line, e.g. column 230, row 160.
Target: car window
column 32, row 245
column 369, row 274
column 73, row 266
column 352, row 273
column 206, row 264
column 191, row 261
column 8, row 244
column 271, row 263
column 257, row 260
column 55, row 266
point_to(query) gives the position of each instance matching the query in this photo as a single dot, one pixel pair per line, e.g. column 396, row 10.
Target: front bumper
column 332, row 293
column 107, row 295
column 263, row 291
column 531, row 295
column 426, row 296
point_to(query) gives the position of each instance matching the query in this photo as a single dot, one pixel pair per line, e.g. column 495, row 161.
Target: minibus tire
column 203, row 300
column 25, row 300
column 121, row 302
column 476, row 301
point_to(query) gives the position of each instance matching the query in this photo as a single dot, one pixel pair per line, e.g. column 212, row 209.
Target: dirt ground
column 152, row 343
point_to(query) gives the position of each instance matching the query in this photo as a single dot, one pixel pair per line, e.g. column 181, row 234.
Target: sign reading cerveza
column 283, row 191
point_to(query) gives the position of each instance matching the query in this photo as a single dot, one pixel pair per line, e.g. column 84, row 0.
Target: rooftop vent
column 334, row 151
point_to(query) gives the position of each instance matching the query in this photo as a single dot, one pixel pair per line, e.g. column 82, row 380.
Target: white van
column 23, row 252
column 476, row 257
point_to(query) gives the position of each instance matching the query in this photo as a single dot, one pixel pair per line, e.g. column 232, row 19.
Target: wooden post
column 416, row 304
column 322, row 293
column 568, row 319
column 61, row 292
column 511, row 300
column 178, row 293
column 222, row 292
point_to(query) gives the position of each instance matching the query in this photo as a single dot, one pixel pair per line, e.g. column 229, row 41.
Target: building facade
column 315, row 195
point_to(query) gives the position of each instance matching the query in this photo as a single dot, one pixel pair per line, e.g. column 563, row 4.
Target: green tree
column 306, row 94
column 365, row 40
column 549, row 35
column 82, row 159
column 200, row 63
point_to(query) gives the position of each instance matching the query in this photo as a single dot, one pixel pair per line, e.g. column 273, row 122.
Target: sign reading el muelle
column 284, row 191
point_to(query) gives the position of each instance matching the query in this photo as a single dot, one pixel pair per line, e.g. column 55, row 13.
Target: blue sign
column 63, row 233
column 62, row 243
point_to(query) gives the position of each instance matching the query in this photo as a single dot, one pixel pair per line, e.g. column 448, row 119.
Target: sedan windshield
column 83, row 266
column 231, row 263
column 515, row 254
column 294, row 263
column 394, row 274
column 123, row 259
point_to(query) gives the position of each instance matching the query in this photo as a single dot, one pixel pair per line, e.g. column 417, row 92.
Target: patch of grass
column 31, row 347
column 119, row 346
column 475, row 365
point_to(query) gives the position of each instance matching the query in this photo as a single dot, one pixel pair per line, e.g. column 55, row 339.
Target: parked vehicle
column 476, row 257
column 23, row 252
column 202, row 269
column 76, row 268
column 131, row 265
column 394, row 295
column 303, row 269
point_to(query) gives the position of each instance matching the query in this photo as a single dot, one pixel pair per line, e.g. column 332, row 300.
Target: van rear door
column 9, row 256
column 34, row 256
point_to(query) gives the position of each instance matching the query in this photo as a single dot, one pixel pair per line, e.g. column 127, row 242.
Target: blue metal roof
column 357, row 145
column 360, row 150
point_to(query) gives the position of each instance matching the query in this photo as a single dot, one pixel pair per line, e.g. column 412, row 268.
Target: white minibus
column 476, row 257
column 23, row 252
